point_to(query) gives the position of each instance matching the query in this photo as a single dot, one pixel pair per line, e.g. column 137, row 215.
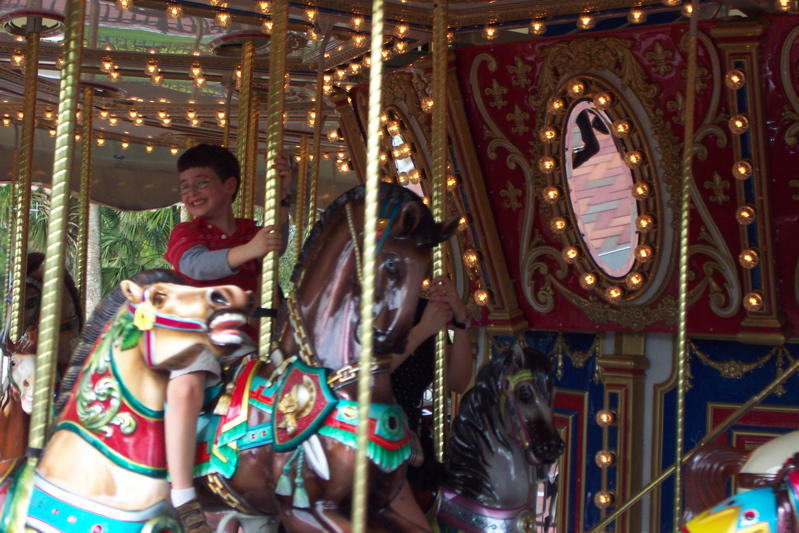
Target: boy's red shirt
column 187, row 235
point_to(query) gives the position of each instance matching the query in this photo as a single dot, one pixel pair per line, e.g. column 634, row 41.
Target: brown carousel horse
column 502, row 446
column 286, row 443
column 19, row 363
column 103, row 469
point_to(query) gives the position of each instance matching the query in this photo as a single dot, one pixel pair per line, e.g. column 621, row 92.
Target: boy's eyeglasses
column 199, row 185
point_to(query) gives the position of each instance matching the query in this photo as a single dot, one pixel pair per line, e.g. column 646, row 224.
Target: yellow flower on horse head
column 144, row 318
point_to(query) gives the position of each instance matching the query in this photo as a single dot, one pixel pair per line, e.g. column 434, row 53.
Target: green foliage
column 133, row 241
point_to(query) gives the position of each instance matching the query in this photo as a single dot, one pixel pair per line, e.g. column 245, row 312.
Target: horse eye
column 157, row 298
column 392, row 264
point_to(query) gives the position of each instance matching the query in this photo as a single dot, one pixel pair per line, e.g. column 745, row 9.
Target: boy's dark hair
column 219, row 158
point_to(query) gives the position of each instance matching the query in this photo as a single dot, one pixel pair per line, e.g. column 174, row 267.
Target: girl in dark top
column 413, row 370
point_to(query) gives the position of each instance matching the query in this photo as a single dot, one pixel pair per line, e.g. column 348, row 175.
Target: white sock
column 181, row 496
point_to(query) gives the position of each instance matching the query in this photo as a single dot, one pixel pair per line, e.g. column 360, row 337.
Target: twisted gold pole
column 317, row 133
column 23, row 204
column 439, row 194
column 369, row 262
column 274, row 144
column 300, row 201
column 685, row 210
column 87, row 134
column 243, row 132
column 252, row 154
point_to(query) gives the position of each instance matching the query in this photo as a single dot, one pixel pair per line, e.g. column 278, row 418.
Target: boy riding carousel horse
column 215, row 248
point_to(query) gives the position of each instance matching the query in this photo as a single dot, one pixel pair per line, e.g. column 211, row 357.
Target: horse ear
column 131, row 291
column 447, row 229
column 407, row 220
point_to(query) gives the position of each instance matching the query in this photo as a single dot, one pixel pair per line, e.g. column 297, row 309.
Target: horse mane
column 35, row 260
column 104, row 312
column 427, row 234
column 478, row 415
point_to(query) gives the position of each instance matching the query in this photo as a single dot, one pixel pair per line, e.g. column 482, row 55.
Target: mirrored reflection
column 600, row 189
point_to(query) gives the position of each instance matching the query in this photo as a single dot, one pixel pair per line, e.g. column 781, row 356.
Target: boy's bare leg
column 184, row 396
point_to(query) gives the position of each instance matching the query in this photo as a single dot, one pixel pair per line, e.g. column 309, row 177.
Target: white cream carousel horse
column 104, row 467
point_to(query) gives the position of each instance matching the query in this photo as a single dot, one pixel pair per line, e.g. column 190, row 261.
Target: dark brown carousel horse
column 501, row 448
column 19, row 364
column 286, row 443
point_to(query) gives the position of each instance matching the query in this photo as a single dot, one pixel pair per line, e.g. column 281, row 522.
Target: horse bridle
column 146, row 318
column 67, row 324
column 510, row 383
column 347, row 373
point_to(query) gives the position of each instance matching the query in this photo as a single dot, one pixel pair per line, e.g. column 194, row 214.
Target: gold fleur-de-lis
column 496, row 90
column 518, row 117
column 718, row 185
column 660, row 56
column 511, row 193
column 678, row 106
column 520, row 70
column 701, row 73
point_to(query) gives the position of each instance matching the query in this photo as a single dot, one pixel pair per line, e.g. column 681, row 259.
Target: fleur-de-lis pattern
column 520, row 71
column 660, row 56
column 718, row 186
column 511, row 193
column 496, row 91
column 519, row 117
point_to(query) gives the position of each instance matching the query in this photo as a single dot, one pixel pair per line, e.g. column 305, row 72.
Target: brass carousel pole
column 244, row 130
column 317, row 132
column 299, row 202
column 87, row 133
column 274, row 145
column 252, row 154
column 439, row 194
column 685, row 209
column 23, row 204
column 54, row 258
column 369, row 262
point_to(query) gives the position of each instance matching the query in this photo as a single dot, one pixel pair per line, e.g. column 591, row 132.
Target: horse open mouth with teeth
column 224, row 327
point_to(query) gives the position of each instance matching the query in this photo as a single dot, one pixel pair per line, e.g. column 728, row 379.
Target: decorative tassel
column 283, row 484
column 300, row 494
column 16, row 513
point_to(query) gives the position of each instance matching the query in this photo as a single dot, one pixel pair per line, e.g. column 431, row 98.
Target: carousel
column 607, row 184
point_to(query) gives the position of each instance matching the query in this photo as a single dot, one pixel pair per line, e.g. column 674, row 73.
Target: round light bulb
column 749, row 258
column 735, row 79
column 558, row 225
column 547, row 164
column 641, row 190
column 481, row 297
column 742, row 169
column 549, row 134
column 585, row 21
column 538, row 27
column 753, row 301
column 606, row 418
column 588, row 280
column 551, row 194
column 645, row 223
column 605, row 459
column 643, row 253
column 570, row 254
column 470, row 258
column 622, row 128
column 738, row 124
column 745, row 215
column 636, row 16
column 634, row 281
column 614, row 293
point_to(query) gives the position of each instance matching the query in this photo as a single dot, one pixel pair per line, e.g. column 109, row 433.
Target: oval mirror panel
column 600, row 189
